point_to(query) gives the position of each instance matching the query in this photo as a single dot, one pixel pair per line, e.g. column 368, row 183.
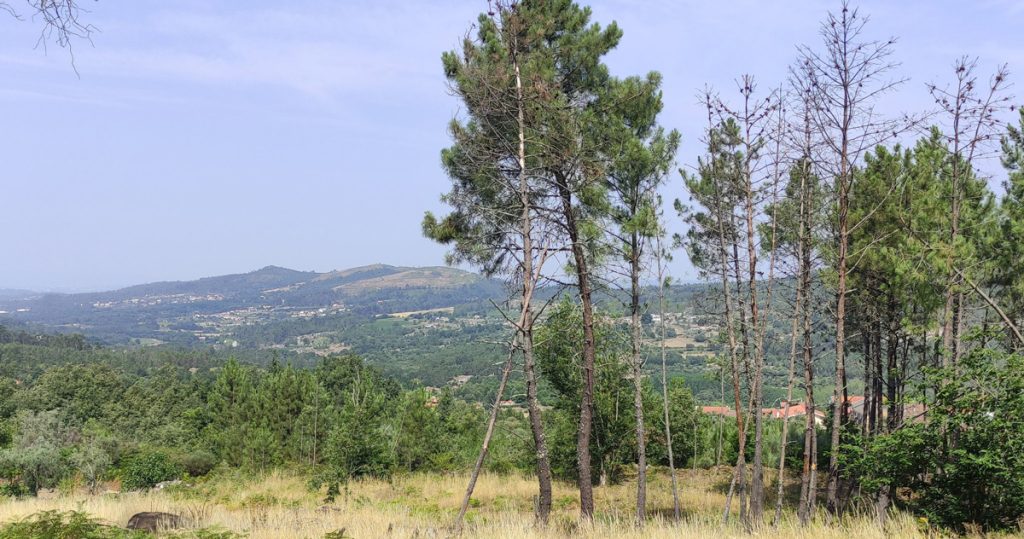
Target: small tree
column 92, row 461
column 146, row 468
column 35, row 459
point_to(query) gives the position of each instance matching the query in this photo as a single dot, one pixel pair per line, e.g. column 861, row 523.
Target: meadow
column 280, row 504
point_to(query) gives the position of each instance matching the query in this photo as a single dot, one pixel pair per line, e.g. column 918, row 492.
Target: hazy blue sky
column 218, row 136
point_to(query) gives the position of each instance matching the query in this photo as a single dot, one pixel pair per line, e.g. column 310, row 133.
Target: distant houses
column 794, row 410
column 718, row 410
column 913, row 413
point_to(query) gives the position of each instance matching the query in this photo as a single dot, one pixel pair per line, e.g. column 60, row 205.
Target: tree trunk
column 638, row 395
column 486, row 443
column 840, row 381
column 784, row 437
column 584, row 469
column 808, row 479
column 530, row 276
column 740, row 476
column 664, row 386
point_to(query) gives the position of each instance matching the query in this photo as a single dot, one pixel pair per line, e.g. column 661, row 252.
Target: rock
column 155, row 521
column 164, row 484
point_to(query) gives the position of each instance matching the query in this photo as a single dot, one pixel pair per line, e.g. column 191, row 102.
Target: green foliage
column 686, row 423
column 92, row 462
column 1005, row 252
column 559, row 356
column 35, row 460
column 196, row 463
column 65, row 525
column 146, row 468
column 966, row 464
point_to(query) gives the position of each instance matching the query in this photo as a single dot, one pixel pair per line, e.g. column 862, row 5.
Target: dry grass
column 280, row 505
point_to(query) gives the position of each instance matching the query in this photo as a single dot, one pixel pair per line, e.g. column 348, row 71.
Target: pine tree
column 646, row 153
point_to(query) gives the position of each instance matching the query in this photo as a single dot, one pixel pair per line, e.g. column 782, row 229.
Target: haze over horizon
column 208, row 138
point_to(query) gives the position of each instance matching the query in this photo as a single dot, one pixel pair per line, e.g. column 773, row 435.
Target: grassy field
column 280, row 505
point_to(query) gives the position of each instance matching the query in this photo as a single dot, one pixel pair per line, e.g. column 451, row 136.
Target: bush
column 966, row 465
column 145, row 469
column 197, row 463
column 78, row 525
column 70, row 525
column 14, row 489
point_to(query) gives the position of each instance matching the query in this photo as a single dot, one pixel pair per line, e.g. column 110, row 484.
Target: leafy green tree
column 683, row 418
column 81, row 392
column 35, row 459
column 496, row 222
column 1006, row 253
column 419, row 442
column 966, row 463
column 358, row 445
column 147, row 467
column 92, row 461
column 560, row 361
column 231, row 407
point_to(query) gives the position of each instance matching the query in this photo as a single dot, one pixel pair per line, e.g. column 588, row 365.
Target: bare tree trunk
column 740, row 476
column 832, row 490
column 721, row 418
column 638, row 395
column 757, row 471
column 869, row 384
column 487, row 441
column 789, row 398
column 760, row 319
column 584, row 469
column 843, row 81
column 537, row 429
column 664, row 384
column 526, row 322
column 808, row 478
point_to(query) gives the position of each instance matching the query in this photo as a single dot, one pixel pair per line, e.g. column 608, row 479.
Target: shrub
column 966, row 464
column 147, row 468
column 78, row 525
column 197, row 463
column 69, row 525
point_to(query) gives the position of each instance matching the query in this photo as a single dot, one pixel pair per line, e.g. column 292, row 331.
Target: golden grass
column 279, row 505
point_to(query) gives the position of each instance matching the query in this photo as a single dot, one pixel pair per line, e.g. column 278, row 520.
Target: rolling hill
column 205, row 310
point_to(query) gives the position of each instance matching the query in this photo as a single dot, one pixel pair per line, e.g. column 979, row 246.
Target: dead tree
column 972, row 115
column 844, row 80
column 61, row 22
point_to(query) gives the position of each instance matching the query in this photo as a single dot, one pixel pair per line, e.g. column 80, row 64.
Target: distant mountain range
column 207, row 309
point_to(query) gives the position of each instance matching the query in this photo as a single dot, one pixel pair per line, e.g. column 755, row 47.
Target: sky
column 205, row 137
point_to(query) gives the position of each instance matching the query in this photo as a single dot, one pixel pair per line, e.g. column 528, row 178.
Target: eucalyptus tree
column 642, row 154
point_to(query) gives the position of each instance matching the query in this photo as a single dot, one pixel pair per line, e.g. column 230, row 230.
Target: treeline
column 83, row 424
